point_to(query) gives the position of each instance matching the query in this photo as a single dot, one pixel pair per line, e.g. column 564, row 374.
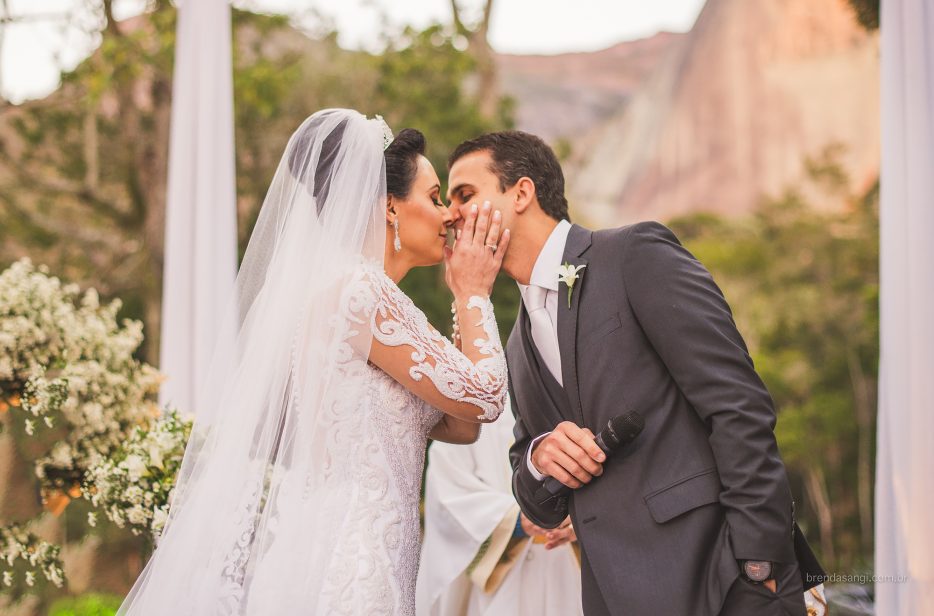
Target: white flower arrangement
column 133, row 487
column 69, row 378
column 65, row 358
column 21, row 547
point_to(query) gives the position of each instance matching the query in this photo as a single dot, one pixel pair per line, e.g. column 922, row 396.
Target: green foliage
column 420, row 84
column 867, row 12
column 804, row 286
column 418, row 81
column 86, row 605
column 82, row 167
column 563, row 149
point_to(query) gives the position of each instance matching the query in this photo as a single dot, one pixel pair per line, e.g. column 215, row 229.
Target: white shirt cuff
column 528, row 458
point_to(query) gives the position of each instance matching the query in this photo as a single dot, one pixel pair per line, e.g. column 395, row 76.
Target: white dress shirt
column 544, row 278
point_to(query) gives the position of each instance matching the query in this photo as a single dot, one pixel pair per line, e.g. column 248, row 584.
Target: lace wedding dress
column 378, row 449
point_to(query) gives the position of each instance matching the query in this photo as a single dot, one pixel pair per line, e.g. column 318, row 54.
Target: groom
column 695, row 516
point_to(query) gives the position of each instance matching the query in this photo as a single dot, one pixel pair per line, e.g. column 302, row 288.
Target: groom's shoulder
column 621, row 238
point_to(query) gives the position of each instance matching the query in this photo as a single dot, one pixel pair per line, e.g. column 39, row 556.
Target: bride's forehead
column 425, row 166
column 425, row 172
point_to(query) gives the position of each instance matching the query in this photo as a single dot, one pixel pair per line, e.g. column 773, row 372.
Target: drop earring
column 397, row 243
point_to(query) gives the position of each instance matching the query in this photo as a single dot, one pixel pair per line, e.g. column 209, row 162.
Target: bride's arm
column 449, row 429
column 467, row 383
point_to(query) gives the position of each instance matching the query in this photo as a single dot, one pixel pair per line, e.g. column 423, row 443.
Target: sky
column 33, row 50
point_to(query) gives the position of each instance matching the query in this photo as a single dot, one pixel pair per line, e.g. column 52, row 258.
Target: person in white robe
column 478, row 557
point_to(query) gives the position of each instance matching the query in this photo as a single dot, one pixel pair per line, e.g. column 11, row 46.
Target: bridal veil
column 254, row 468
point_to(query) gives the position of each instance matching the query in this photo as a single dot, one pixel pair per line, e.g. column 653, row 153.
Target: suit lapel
column 578, row 242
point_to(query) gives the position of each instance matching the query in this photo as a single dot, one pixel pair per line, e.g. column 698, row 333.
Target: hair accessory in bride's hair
column 387, row 132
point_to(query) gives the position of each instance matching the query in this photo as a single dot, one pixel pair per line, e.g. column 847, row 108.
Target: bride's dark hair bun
column 402, row 161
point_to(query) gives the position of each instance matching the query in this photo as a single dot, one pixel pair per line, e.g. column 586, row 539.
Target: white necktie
column 544, row 333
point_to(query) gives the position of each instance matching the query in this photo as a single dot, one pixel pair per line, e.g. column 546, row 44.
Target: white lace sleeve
column 394, row 320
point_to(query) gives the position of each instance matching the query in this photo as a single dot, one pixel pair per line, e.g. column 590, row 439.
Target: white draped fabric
column 201, row 221
column 468, row 497
column 905, row 459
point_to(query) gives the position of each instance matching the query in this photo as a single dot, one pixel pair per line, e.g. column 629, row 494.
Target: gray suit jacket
column 703, row 484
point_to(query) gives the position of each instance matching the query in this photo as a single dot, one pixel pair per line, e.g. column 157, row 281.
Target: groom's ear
column 524, row 194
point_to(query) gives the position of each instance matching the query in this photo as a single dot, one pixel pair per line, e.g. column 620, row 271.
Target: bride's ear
column 524, row 195
column 390, row 210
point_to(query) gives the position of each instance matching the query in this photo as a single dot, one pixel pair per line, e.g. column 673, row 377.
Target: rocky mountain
column 561, row 96
column 731, row 113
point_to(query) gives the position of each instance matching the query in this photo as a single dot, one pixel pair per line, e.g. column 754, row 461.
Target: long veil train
column 253, row 469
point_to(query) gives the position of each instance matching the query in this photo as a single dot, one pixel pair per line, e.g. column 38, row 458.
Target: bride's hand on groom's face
column 472, row 265
column 569, row 454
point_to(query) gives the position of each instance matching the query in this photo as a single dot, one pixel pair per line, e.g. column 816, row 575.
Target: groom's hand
column 570, row 455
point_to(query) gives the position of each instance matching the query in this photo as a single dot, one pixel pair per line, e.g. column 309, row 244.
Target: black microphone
column 619, row 432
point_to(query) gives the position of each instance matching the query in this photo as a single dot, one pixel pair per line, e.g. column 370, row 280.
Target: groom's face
column 471, row 181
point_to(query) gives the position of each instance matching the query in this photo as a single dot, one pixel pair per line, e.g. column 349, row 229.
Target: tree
column 420, row 84
column 804, row 288
column 83, row 172
column 88, row 164
column 867, row 13
column 478, row 46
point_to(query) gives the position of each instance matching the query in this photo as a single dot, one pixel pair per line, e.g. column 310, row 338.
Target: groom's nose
column 449, row 216
column 453, row 217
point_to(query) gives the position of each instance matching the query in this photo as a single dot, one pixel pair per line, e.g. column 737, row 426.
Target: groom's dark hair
column 515, row 155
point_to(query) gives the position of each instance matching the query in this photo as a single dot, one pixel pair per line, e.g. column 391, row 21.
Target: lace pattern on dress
column 394, row 320
column 235, row 562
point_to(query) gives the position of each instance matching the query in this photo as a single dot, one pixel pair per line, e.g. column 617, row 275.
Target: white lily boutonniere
column 568, row 274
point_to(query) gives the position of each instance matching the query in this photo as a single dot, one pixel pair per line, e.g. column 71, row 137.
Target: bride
column 299, row 489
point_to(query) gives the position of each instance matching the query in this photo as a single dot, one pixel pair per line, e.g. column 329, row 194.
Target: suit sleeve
column 689, row 324
column 525, row 487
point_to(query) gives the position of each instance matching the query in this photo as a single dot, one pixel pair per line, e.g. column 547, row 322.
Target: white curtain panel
column 201, row 222
column 905, row 463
